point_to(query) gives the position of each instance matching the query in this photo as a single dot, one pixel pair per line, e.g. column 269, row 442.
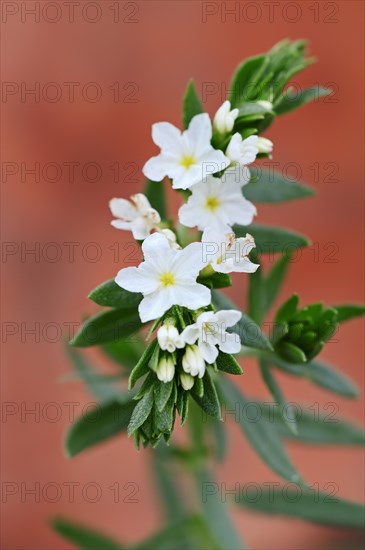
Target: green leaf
column 166, row 486
column 293, row 99
column 256, row 292
column 83, row 537
column 108, row 326
column 102, row 388
column 260, row 434
column 182, row 405
column 250, row 333
column 217, row 280
column 101, row 423
column 242, row 84
column 287, row 309
column 227, row 363
column 215, row 512
column 271, row 239
column 191, row 105
column 142, row 367
column 287, row 412
column 309, row 505
column 162, row 394
column 320, row 374
column 312, row 427
column 218, row 430
column 155, row 192
column 209, row 402
column 348, row 311
column 272, row 187
column 275, row 279
column 141, row 411
column 124, row 353
column 112, row 295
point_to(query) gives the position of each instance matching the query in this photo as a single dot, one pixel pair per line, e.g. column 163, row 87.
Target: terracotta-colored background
column 166, row 45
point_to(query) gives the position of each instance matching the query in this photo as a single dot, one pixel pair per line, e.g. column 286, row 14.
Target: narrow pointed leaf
column 112, row 295
column 227, row 363
column 308, row 505
column 191, row 105
column 287, row 413
column 142, row 367
column 349, row 311
column 260, row 434
column 275, row 279
column 293, row 100
column 83, row 537
column 103, row 422
column 209, row 402
column 271, row 187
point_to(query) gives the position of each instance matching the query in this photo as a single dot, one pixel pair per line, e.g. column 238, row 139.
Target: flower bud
column 265, row 104
column 224, row 118
column 186, row 380
column 165, row 369
column 171, row 237
column 193, row 362
column 169, row 338
column 264, row 145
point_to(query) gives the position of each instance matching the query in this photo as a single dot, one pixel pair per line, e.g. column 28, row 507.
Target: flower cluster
column 176, row 281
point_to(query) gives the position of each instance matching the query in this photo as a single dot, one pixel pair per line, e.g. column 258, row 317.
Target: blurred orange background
column 129, row 63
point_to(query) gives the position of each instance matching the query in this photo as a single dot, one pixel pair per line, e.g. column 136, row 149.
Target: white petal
column 155, row 168
column 140, row 229
column 190, row 334
column 199, row 133
column 188, row 262
column 136, row 279
column 119, row 224
column 245, row 266
column 156, row 248
column 208, row 351
column 213, row 161
column 193, row 296
column 239, row 210
column 228, row 316
column 185, row 178
column 121, row 208
column 167, row 137
column 154, row 305
column 230, row 343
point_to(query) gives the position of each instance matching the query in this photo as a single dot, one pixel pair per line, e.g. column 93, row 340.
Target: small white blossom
column 265, row 145
column 165, row 369
column 186, row 157
column 193, row 362
column 167, row 277
column 226, row 254
column 135, row 215
column 210, row 331
column 169, row 338
column 186, row 380
column 224, row 118
column 265, row 104
column 242, row 151
column 218, row 202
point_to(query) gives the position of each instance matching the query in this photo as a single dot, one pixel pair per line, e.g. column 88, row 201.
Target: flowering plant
column 193, row 331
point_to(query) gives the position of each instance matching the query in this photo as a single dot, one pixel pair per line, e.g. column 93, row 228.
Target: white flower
column 167, row 277
column 224, row 118
column 169, row 338
column 265, row 104
column 210, row 331
column 218, row 203
column 193, row 362
column 165, row 369
column 242, row 151
column 136, row 215
column 186, row 380
column 171, row 237
column 226, row 254
column 185, row 157
column 265, row 145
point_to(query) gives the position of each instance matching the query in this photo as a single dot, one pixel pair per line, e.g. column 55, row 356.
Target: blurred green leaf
column 271, row 187
column 112, row 295
column 227, row 363
column 270, row 239
column 124, row 353
column 260, row 434
column 191, row 105
column 108, row 326
column 244, row 80
column 82, row 537
column 275, row 279
column 286, row 411
column 349, row 311
column 309, row 505
column 101, row 423
column 292, row 99
column 320, row 374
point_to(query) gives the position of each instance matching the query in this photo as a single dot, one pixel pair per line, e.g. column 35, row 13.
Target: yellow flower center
column 167, row 279
column 212, row 203
column 210, row 328
column 187, row 161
